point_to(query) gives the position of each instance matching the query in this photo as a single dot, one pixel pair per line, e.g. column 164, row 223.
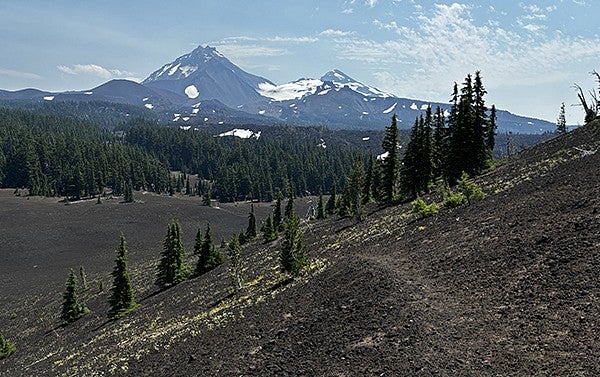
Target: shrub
column 423, row 209
column 6, row 347
column 469, row 189
column 454, row 199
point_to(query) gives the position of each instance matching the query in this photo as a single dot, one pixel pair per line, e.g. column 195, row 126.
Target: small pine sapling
column 423, row 209
column 6, row 347
column 72, row 310
column 236, row 264
column 469, row 189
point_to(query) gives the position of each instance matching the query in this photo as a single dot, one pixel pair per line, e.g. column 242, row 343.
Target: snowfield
column 192, row 92
column 242, row 134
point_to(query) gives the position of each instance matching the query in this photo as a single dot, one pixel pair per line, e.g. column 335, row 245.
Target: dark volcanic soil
column 507, row 286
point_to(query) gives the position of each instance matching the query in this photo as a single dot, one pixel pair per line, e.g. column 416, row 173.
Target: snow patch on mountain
column 187, row 70
column 149, row 106
column 383, row 156
column 191, row 91
column 242, row 134
column 390, row 109
column 289, row 91
column 414, row 106
column 48, row 98
column 174, row 69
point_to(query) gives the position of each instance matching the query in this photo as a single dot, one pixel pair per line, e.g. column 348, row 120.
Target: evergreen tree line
column 442, row 147
column 242, row 169
column 51, row 156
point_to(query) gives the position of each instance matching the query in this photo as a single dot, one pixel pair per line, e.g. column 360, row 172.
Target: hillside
column 505, row 286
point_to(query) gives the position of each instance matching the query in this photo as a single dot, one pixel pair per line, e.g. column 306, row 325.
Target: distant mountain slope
column 206, row 74
column 335, row 100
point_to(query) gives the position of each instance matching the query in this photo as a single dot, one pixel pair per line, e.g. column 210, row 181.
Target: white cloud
column 387, row 26
column 447, row 44
column 237, row 51
column 292, row 39
column 276, row 38
column 336, row 33
column 530, row 8
column 371, row 3
column 95, row 70
column 348, row 11
column 534, row 28
column 19, row 74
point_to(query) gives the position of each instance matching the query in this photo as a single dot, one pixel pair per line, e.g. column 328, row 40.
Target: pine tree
column 72, row 310
column 480, row 125
column 470, row 133
column 172, row 268
column 122, row 298
column 438, row 143
column 416, row 171
column 390, row 162
column 352, row 197
column 206, row 200
column 268, row 230
column 209, row 257
column 292, row 255
column 251, row 230
column 561, row 123
column 6, row 347
column 83, row 276
column 198, row 241
column 236, row 264
column 242, row 237
column 491, row 134
column 321, row 206
column 410, row 162
column 128, row 193
column 289, row 208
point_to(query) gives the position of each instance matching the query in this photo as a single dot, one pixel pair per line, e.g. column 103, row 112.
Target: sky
column 530, row 53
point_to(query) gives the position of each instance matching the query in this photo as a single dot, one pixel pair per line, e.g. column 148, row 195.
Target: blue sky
column 530, row 52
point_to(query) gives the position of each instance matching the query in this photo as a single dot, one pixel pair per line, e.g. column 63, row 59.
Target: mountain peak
column 207, row 53
column 335, row 75
column 204, row 73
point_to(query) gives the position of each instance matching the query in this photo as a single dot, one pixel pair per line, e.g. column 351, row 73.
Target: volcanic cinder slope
column 506, row 286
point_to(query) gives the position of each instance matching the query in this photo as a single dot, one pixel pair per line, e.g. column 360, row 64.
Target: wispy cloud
column 336, row 33
column 240, row 51
column 348, row 11
column 276, row 38
column 448, row 43
column 19, row 74
column 370, row 3
column 94, row 70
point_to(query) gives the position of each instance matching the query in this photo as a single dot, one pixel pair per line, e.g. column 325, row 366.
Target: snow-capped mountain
column 206, row 74
column 204, row 87
column 334, row 80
